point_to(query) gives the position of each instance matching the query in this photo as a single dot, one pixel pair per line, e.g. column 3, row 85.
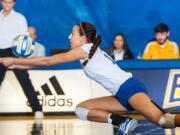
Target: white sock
column 109, row 119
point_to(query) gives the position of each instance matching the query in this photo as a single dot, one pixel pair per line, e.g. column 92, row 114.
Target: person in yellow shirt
column 161, row 48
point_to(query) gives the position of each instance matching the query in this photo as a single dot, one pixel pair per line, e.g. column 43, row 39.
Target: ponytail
column 95, row 46
column 89, row 31
column 93, row 49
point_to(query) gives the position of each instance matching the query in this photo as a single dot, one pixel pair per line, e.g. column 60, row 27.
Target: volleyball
column 23, row 46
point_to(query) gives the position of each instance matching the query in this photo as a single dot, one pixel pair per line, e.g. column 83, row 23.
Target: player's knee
column 82, row 113
column 80, row 105
column 83, row 104
column 167, row 121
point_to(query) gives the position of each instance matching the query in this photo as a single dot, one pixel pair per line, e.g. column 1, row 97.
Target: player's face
column 75, row 38
column 118, row 42
column 161, row 37
column 7, row 5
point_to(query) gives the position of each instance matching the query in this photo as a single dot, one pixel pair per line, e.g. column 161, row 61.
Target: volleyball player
column 127, row 92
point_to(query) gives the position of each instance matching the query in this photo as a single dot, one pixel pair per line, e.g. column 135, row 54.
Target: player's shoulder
column 18, row 15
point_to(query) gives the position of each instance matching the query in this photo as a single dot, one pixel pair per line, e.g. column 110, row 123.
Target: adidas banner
column 57, row 91
column 62, row 90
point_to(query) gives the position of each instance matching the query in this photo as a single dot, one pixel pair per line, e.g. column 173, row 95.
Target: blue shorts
column 128, row 89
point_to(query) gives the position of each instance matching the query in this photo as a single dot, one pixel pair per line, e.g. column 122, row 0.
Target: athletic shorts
column 127, row 89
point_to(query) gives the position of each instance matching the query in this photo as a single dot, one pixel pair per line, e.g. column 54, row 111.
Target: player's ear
column 83, row 39
column 168, row 34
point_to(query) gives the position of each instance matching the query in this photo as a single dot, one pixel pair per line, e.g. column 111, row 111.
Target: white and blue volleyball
column 23, row 46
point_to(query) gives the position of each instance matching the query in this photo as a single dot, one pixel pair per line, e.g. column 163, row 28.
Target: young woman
column 128, row 93
column 120, row 50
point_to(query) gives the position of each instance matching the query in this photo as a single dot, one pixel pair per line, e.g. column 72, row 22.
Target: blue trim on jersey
column 128, row 89
column 107, row 56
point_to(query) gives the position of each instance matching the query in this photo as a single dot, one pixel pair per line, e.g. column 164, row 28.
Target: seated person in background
column 161, row 48
column 39, row 49
column 119, row 49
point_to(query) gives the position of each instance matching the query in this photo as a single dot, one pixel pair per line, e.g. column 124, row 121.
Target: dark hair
column 125, row 45
column 128, row 54
column 89, row 31
column 160, row 28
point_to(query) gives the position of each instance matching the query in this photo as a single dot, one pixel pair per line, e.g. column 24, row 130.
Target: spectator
column 39, row 49
column 161, row 47
column 119, row 49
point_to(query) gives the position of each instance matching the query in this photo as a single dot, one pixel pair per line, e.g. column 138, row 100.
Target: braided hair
column 89, row 31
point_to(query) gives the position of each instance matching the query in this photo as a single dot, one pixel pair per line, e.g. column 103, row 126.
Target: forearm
column 32, row 62
column 19, row 67
column 43, row 61
column 70, row 56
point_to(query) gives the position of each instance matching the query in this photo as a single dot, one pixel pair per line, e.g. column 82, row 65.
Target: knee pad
column 82, row 113
column 167, row 121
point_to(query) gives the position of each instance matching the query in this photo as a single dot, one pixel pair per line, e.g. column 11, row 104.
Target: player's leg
column 177, row 120
column 29, row 91
column 142, row 103
column 99, row 109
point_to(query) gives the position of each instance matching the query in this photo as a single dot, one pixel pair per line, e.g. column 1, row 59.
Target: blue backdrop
column 136, row 19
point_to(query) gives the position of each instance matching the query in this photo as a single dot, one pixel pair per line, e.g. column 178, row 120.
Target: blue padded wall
column 136, row 19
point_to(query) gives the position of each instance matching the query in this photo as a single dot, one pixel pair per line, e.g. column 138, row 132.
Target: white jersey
column 104, row 70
